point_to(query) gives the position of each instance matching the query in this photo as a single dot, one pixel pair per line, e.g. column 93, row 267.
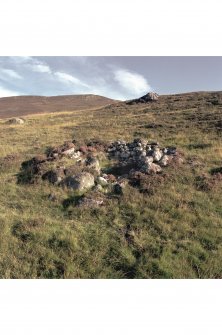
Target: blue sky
column 114, row 77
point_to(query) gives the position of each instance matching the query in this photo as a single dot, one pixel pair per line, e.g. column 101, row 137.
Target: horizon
column 119, row 77
column 82, row 94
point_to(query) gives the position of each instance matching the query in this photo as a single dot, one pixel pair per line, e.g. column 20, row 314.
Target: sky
column 114, row 77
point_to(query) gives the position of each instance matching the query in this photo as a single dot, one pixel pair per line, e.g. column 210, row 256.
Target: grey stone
column 93, row 163
column 157, row 155
column 81, row 182
column 16, row 120
column 101, row 181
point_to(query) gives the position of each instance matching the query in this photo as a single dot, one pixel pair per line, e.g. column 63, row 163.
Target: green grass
column 175, row 232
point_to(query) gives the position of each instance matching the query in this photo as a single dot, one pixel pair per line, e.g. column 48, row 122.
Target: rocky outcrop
column 149, row 97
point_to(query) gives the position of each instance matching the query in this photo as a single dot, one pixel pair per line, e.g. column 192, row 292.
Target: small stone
column 101, row 181
column 171, row 150
column 52, row 197
column 157, row 155
column 76, row 155
column 68, row 152
column 98, row 188
column 164, row 160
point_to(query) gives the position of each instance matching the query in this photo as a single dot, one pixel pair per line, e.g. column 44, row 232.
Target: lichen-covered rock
column 81, row 182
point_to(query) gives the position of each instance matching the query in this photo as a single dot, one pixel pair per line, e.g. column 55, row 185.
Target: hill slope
column 170, row 227
column 23, row 105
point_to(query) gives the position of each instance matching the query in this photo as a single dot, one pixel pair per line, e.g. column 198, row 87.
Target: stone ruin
column 79, row 167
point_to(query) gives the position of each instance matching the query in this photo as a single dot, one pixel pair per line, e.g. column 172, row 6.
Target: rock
column 151, row 168
column 157, row 155
column 16, row 120
column 54, row 176
column 76, row 155
column 164, row 160
column 118, row 189
column 90, row 202
column 81, row 182
column 110, row 178
column 93, row 163
column 52, row 197
column 147, row 159
column 171, row 150
column 120, row 185
column 69, row 152
column 149, row 97
column 101, row 181
column 66, row 149
column 83, row 149
column 98, row 188
column 111, row 149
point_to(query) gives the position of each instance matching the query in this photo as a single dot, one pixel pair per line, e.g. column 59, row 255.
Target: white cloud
column 133, row 83
column 42, row 68
column 4, row 92
column 69, row 79
column 9, row 73
column 31, row 63
column 20, row 59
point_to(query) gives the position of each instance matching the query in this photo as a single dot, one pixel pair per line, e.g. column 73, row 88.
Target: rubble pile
column 79, row 167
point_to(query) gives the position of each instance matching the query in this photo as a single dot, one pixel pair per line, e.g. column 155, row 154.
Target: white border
column 105, row 27
column 110, row 307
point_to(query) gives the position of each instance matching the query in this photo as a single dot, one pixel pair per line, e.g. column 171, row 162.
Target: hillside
column 164, row 225
column 23, row 105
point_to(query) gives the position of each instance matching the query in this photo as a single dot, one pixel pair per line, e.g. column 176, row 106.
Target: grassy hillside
column 174, row 231
column 23, row 105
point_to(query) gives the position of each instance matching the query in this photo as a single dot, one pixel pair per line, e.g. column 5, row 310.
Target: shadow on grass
column 71, row 201
column 199, row 146
column 216, row 170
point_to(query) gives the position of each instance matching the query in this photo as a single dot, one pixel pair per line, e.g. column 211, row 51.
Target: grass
column 174, row 232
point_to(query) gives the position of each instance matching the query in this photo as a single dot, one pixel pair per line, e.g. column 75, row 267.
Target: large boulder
column 81, row 182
